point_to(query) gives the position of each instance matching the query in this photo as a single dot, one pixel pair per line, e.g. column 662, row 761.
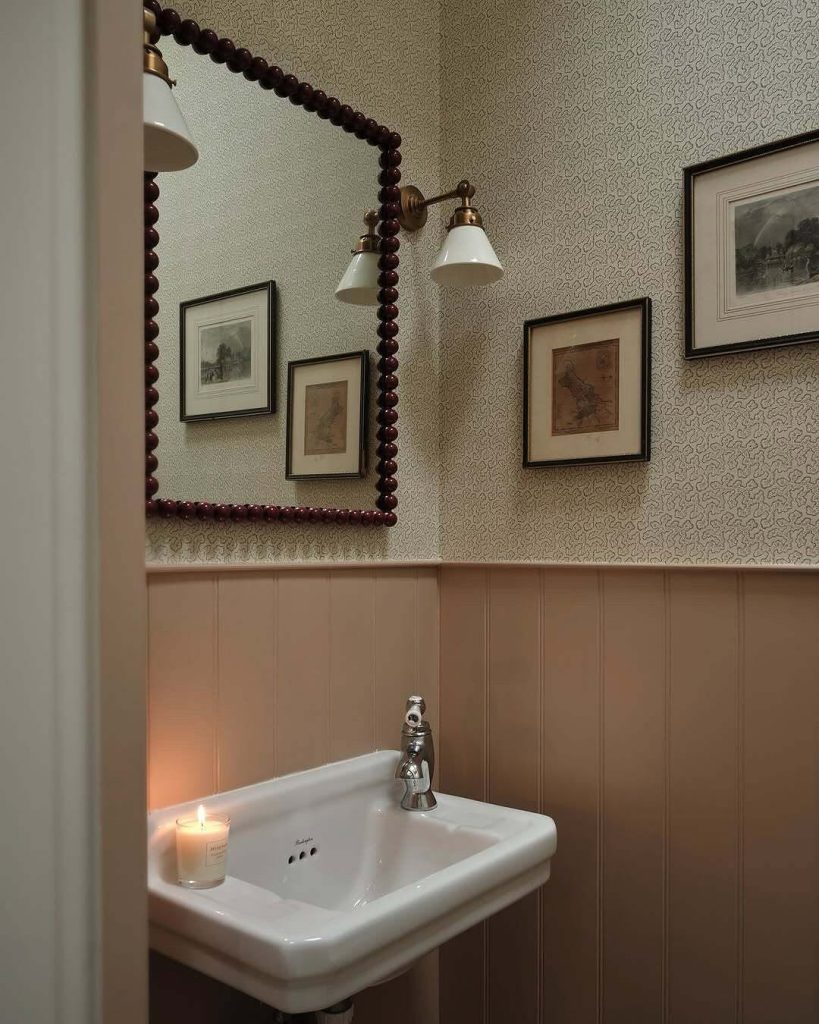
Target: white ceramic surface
column 466, row 259
column 167, row 141
column 359, row 285
column 383, row 887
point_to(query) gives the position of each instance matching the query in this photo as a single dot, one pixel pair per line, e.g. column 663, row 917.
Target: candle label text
column 215, row 852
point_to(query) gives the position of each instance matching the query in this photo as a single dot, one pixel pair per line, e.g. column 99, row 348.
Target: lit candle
column 201, row 849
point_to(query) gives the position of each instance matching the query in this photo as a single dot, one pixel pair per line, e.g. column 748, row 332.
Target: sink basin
column 332, row 887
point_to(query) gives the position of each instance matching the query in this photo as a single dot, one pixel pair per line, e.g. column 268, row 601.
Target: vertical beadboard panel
column 180, row 995
column 182, row 688
column 411, row 998
column 396, row 652
column 634, row 668
column 302, row 671
column 463, row 738
column 247, row 672
column 352, row 663
column 405, row 624
column 514, row 650
column 572, row 793
column 463, row 680
column 702, row 790
column 780, row 798
column 428, row 648
column 514, row 687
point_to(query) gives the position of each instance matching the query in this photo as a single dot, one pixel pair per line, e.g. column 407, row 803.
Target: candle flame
column 200, row 814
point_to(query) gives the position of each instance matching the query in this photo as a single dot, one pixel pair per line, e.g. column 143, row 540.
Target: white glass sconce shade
column 359, row 285
column 466, row 259
column 167, row 141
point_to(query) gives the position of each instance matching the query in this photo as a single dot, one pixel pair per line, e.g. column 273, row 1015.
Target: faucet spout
column 417, row 764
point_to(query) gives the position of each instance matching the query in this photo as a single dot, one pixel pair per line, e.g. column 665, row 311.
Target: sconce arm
column 414, row 204
column 463, row 190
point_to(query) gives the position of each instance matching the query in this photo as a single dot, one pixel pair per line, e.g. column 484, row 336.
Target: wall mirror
column 268, row 398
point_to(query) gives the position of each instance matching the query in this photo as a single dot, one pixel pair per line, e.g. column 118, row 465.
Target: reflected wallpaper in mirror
column 276, row 196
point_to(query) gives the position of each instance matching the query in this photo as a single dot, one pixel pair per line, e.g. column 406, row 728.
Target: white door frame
column 72, row 633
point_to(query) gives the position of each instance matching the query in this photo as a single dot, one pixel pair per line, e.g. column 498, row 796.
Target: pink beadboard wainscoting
column 665, row 718
column 260, row 673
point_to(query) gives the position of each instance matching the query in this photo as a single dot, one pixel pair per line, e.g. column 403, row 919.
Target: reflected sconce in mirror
column 167, row 142
column 466, row 259
column 359, row 285
column 287, row 88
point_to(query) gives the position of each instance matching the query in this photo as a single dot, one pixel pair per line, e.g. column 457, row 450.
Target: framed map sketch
column 327, row 416
column 228, row 354
column 586, row 387
column 752, row 249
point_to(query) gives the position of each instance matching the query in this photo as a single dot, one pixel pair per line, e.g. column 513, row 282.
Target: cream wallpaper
column 276, row 195
column 236, row 218
column 575, row 120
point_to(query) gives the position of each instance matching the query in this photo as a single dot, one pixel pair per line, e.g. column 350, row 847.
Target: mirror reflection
column 255, row 238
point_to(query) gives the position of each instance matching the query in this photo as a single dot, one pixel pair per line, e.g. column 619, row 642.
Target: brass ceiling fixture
column 466, row 259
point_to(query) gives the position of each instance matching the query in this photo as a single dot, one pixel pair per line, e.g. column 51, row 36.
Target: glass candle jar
column 201, row 849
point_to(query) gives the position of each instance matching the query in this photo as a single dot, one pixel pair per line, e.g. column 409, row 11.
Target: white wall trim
column 215, row 568
column 48, row 770
column 160, row 568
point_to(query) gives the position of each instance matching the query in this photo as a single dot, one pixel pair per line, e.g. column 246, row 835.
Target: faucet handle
column 416, row 707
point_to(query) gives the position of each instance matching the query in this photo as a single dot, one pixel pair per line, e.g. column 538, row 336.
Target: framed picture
column 227, row 354
column 586, row 386
column 752, row 249
column 327, row 416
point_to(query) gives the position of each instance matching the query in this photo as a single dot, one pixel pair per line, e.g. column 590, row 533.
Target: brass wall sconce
column 359, row 285
column 466, row 259
column 167, row 141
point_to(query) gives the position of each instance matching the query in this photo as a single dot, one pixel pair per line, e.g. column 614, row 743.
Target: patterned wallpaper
column 575, row 120
column 239, row 216
column 220, row 228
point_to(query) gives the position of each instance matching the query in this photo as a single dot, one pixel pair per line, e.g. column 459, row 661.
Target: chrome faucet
column 417, row 764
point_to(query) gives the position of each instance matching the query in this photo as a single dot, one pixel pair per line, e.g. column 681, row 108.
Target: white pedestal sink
column 332, row 887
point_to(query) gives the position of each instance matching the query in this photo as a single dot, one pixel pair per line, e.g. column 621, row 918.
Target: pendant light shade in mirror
column 359, row 285
column 167, row 141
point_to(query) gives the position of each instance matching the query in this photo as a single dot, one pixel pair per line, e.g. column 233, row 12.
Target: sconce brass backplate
column 413, row 213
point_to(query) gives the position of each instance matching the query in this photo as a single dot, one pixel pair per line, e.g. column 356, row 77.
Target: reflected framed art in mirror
column 195, row 467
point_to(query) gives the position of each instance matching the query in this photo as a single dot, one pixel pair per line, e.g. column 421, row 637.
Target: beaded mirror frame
column 239, row 60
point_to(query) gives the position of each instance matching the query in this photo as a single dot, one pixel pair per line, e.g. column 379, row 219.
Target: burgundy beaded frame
column 256, row 69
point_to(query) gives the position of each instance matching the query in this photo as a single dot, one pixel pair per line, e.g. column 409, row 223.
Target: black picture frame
column 690, row 176
column 644, row 453
column 269, row 407
column 364, row 357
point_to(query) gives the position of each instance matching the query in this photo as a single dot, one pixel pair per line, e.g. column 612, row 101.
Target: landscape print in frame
column 227, row 354
column 752, row 249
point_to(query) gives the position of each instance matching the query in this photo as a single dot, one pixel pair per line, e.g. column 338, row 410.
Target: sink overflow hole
column 302, row 856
